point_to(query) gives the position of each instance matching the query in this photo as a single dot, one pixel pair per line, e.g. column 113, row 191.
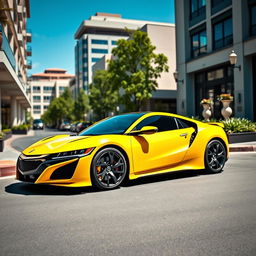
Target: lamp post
column 176, row 76
column 233, row 60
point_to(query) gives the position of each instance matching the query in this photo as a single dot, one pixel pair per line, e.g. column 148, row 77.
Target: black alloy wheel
column 109, row 168
column 215, row 156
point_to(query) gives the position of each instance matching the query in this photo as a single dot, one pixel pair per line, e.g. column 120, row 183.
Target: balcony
column 20, row 39
column 5, row 47
column 29, row 50
column 20, row 9
column 29, row 64
column 29, row 36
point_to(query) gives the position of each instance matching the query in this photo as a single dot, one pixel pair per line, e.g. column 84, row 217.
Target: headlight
column 74, row 153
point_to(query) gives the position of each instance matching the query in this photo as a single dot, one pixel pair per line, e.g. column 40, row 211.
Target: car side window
column 184, row 123
column 163, row 123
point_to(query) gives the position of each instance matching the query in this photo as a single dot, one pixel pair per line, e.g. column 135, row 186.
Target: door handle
column 184, row 135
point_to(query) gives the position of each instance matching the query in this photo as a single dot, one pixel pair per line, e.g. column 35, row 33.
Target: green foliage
column 135, row 68
column 1, row 135
column 81, row 105
column 20, row 127
column 6, row 130
column 29, row 118
column 239, row 125
column 61, row 108
column 103, row 97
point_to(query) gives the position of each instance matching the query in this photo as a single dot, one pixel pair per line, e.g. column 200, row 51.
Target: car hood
column 59, row 143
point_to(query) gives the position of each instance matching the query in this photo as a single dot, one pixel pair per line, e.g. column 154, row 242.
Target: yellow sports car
column 123, row 147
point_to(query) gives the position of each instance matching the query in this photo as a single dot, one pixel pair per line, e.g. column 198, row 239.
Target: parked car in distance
column 73, row 126
column 38, row 124
column 81, row 126
column 64, row 126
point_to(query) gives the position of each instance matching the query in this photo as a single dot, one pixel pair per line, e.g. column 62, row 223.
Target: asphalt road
column 176, row 214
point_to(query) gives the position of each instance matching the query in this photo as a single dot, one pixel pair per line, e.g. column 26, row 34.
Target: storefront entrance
column 210, row 84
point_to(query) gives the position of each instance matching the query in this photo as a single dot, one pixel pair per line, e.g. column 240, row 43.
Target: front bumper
column 69, row 171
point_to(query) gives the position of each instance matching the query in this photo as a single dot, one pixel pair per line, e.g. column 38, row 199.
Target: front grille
column 27, row 165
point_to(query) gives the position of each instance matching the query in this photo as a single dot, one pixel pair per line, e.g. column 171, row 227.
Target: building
column 14, row 61
column 97, row 37
column 163, row 38
column 206, row 33
column 46, row 86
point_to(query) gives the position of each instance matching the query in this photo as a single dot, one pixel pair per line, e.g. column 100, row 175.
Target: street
column 186, row 213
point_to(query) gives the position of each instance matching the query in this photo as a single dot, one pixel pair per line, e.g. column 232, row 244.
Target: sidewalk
column 9, row 157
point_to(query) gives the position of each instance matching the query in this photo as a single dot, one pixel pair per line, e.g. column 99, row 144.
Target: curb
column 245, row 148
column 7, row 168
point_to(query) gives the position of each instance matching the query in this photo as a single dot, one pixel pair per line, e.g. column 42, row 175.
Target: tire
column 215, row 156
column 108, row 169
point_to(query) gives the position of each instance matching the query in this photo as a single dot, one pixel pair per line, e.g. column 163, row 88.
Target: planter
column 7, row 135
column 207, row 111
column 19, row 131
column 226, row 111
column 1, row 145
column 241, row 137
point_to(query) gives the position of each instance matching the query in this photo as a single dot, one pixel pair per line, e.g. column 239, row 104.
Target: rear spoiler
column 217, row 124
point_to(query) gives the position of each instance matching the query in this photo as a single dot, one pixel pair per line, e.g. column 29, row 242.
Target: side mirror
column 145, row 130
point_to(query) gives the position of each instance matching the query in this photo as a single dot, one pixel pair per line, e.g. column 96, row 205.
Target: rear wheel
column 215, row 156
column 109, row 168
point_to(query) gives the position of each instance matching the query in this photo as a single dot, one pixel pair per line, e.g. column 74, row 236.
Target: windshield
column 37, row 121
column 112, row 125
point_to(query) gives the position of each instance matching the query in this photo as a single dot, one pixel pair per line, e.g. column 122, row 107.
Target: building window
column 197, row 8
column 99, row 50
column 222, row 33
column 62, row 88
column 47, row 98
column 46, row 107
column 38, row 107
column 114, row 42
column 198, row 43
column 95, row 59
column 48, row 88
column 36, row 98
column 36, row 88
column 253, row 20
column 218, row 5
column 96, row 41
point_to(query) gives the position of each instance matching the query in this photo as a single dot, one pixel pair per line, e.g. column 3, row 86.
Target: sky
column 53, row 24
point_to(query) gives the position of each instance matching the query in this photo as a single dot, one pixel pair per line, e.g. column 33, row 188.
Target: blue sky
column 54, row 23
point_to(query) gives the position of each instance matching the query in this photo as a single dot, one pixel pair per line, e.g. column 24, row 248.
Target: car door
column 161, row 150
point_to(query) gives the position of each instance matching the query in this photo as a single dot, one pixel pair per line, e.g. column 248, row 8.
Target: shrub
column 239, row 125
column 6, row 130
column 20, row 127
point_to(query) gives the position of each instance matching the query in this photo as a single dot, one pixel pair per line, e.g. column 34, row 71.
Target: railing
column 5, row 46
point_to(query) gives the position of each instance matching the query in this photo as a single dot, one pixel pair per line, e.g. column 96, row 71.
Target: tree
column 60, row 109
column 135, row 68
column 103, row 98
column 81, row 105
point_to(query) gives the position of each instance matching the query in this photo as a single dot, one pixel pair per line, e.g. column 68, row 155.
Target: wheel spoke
column 113, row 177
column 118, row 163
column 107, row 180
column 111, row 157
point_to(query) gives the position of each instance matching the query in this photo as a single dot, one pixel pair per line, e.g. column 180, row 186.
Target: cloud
column 36, row 65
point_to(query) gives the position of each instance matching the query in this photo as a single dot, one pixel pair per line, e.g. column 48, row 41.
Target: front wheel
column 109, row 168
column 215, row 156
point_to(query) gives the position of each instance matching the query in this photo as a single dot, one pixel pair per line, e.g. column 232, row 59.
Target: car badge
column 31, row 150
